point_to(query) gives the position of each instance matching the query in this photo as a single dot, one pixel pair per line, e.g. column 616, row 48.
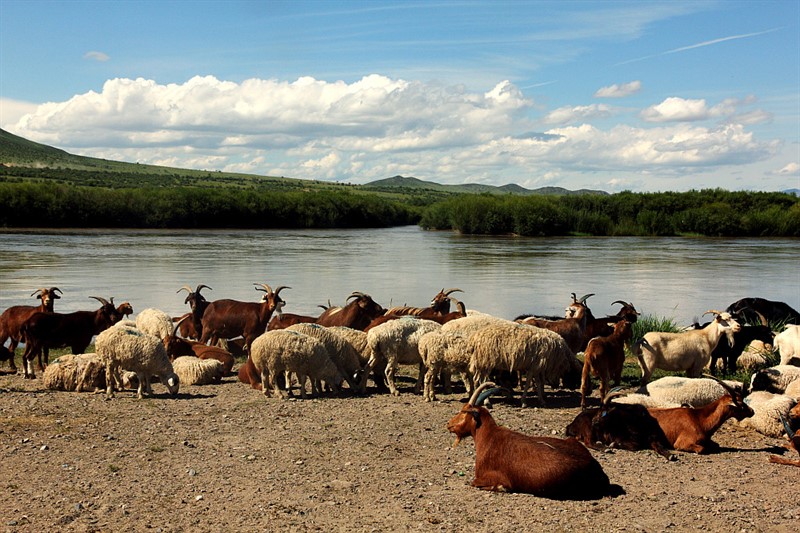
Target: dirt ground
column 225, row 458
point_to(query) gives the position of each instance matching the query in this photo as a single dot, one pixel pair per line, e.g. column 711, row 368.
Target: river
column 676, row 277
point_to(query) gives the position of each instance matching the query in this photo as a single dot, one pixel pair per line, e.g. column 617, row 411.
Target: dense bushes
column 709, row 212
column 49, row 205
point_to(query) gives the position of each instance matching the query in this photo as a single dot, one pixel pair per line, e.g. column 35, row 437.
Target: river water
column 673, row 277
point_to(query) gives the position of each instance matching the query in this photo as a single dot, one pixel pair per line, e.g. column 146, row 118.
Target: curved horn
column 786, row 427
column 712, row 312
column 184, row 288
column 762, row 318
column 265, row 288
column 574, row 297
column 477, row 392
column 356, row 294
column 101, row 300
column 54, row 289
column 38, row 291
column 279, row 289
column 616, row 392
column 485, row 394
column 725, row 386
column 585, row 297
column 179, row 322
column 448, row 291
column 201, row 286
column 621, row 302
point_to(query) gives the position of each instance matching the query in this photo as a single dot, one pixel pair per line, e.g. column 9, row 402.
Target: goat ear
column 476, row 415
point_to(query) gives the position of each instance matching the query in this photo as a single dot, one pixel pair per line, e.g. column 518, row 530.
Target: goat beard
column 458, row 439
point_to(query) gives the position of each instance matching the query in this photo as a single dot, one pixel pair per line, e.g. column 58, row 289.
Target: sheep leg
column 142, row 384
column 272, row 383
column 301, row 378
column 428, row 393
column 420, row 378
column 446, row 381
column 110, row 379
column 391, row 368
column 265, row 378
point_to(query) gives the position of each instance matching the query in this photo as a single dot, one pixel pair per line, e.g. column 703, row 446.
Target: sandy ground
column 224, row 457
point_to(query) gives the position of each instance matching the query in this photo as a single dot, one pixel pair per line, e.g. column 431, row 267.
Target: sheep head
column 171, row 382
column 468, row 420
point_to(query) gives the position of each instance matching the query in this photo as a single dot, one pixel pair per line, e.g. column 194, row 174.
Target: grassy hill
column 401, row 182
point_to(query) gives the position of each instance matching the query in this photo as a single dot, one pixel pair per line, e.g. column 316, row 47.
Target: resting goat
column 690, row 429
column 604, row 358
column 227, row 319
column 794, row 444
column 689, row 350
column 506, row 460
column 12, row 319
column 751, row 309
column 440, row 306
column 624, row 426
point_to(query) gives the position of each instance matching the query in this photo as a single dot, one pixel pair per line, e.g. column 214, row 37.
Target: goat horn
column 762, row 319
column 279, row 289
column 179, row 322
column 453, row 300
column 475, row 394
column 265, row 288
column 448, row 291
column 356, row 294
column 485, row 394
column 725, row 386
column 712, row 312
column 54, row 289
column 201, row 286
column 184, row 288
column 574, row 297
column 101, row 300
column 786, row 426
column 616, row 392
column 38, row 291
column 585, row 297
column 621, row 302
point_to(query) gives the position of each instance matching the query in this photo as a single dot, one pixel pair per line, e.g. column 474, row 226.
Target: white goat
column 787, row 342
column 689, row 351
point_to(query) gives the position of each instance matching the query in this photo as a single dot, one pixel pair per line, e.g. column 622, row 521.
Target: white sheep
column 130, row 349
column 689, row 350
column 282, row 351
column 192, row 370
column 677, row 390
column 81, row 372
column 442, row 351
column 358, row 339
column 155, row 322
column 787, row 342
column 645, row 400
column 538, row 354
column 473, row 322
column 793, row 390
column 757, row 355
column 774, row 379
column 341, row 352
column 396, row 343
column 768, row 408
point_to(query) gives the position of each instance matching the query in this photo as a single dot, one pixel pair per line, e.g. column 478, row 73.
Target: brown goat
column 600, row 327
column 43, row 331
column 440, row 306
column 356, row 314
column 794, row 444
column 284, row 320
column 506, row 460
column 690, row 429
column 604, row 358
column 193, row 329
column 226, row 319
column 177, row 347
column 12, row 319
column 571, row 329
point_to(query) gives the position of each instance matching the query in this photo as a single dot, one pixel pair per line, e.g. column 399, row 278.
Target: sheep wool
column 82, row 372
column 341, row 352
column 131, row 349
column 696, row 392
column 442, row 351
column 768, row 408
column 774, row 379
column 282, row 351
column 356, row 338
column 155, row 322
column 192, row 370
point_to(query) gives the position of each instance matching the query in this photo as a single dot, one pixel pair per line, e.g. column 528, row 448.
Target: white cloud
column 96, row 56
column 568, row 115
column 12, row 110
column 378, row 127
column 619, row 90
column 792, row 169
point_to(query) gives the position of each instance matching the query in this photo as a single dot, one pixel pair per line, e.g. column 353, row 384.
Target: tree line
column 711, row 212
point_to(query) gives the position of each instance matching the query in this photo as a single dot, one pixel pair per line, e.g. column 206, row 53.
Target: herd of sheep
column 361, row 341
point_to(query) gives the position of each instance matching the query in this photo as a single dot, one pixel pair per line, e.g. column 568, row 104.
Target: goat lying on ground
column 794, row 444
column 690, row 429
column 615, row 425
column 506, row 460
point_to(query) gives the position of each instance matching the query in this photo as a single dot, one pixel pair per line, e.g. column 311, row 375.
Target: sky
column 640, row 96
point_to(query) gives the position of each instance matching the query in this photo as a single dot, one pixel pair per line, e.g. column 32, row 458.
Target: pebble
column 198, row 497
column 44, row 447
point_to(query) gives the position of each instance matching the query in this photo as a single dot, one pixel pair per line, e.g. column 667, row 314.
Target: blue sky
column 642, row 96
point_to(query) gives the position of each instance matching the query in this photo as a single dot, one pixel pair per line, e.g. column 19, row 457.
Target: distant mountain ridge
column 511, row 188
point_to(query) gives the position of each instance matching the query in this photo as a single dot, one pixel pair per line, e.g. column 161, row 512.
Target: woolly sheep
column 793, row 390
column 768, row 408
column 82, row 372
column 358, row 339
column 644, row 400
column 396, row 343
column 473, row 322
column 774, row 379
column 131, row 349
column 757, row 355
column 283, row 351
column 537, row 353
column 155, row 322
column 341, row 352
column 192, row 370
column 442, row 351
column 696, row 392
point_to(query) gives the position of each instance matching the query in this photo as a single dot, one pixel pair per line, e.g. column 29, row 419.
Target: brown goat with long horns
column 506, row 460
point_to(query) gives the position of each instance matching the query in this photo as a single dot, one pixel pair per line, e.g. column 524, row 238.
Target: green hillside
column 401, row 182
